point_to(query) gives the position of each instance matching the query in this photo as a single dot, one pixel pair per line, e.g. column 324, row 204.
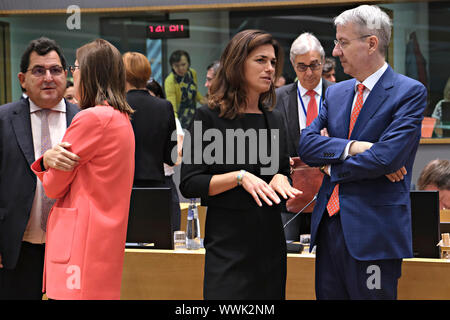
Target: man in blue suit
column 365, row 140
column 22, row 132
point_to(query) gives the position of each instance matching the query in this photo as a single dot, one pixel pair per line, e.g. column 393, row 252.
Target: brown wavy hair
column 228, row 91
column 102, row 76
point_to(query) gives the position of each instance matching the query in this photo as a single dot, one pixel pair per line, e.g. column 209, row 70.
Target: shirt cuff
column 345, row 154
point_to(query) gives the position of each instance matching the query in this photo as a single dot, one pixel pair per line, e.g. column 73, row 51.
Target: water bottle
column 192, row 227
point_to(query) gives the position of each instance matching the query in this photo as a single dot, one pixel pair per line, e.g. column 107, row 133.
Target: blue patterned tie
column 46, row 143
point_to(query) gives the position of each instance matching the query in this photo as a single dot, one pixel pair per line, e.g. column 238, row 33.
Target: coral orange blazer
column 87, row 226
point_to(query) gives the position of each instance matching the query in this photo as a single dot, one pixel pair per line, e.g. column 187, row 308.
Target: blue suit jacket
column 375, row 213
column 17, row 181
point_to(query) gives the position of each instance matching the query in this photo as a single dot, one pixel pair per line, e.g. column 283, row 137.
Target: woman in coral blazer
column 87, row 226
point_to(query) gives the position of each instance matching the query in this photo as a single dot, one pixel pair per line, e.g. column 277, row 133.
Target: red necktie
column 311, row 114
column 333, row 203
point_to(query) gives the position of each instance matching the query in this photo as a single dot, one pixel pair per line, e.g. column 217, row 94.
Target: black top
column 153, row 124
column 198, row 166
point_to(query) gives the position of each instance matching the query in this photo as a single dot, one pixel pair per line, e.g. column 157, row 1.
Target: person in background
column 364, row 140
column 87, row 226
column 436, row 176
column 280, row 81
column 244, row 239
column 328, row 71
column 300, row 103
column 43, row 115
column 155, row 90
column 181, row 87
column 69, row 94
column 169, row 171
column 211, row 72
column 153, row 124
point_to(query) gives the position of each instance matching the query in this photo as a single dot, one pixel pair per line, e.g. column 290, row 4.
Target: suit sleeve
column 195, row 176
column 84, row 135
column 394, row 146
column 316, row 150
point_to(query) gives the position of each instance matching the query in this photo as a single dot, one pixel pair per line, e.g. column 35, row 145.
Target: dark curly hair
column 41, row 46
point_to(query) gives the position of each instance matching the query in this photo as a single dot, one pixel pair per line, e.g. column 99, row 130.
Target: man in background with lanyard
column 300, row 103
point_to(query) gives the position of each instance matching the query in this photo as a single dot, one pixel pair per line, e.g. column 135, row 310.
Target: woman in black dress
column 235, row 159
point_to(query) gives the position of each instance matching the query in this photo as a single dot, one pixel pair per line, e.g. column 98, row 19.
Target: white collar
column 61, row 106
column 317, row 89
column 372, row 80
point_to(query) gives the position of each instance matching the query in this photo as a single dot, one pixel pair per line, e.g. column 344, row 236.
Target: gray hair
column 303, row 44
column 369, row 20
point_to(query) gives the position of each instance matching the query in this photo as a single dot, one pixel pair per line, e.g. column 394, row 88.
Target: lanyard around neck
column 303, row 105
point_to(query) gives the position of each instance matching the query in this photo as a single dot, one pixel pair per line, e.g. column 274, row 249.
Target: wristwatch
column 240, row 176
column 322, row 169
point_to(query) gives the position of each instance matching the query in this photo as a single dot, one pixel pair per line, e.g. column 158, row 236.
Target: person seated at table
column 436, row 176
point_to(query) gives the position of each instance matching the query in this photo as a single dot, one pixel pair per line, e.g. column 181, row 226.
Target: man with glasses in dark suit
column 300, row 103
column 27, row 128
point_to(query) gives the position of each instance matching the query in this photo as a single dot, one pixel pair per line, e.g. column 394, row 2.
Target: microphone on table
column 309, row 203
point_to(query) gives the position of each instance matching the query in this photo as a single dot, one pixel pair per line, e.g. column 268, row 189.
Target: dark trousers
column 24, row 282
column 339, row 276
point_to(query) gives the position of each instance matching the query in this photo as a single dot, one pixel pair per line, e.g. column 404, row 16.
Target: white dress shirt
column 369, row 83
column 305, row 99
column 169, row 170
column 57, row 122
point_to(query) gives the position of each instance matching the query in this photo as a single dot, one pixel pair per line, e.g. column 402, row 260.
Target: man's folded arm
column 317, row 150
column 393, row 149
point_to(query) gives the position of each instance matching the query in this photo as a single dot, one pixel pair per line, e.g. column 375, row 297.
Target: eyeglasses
column 301, row 67
column 73, row 68
column 343, row 44
column 39, row 71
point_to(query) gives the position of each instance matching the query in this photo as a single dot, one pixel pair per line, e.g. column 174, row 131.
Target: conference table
column 151, row 274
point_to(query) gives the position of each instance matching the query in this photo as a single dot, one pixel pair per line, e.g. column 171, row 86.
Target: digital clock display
column 168, row 29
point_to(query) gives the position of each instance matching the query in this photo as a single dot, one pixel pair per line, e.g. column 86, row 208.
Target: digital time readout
column 168, row 29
